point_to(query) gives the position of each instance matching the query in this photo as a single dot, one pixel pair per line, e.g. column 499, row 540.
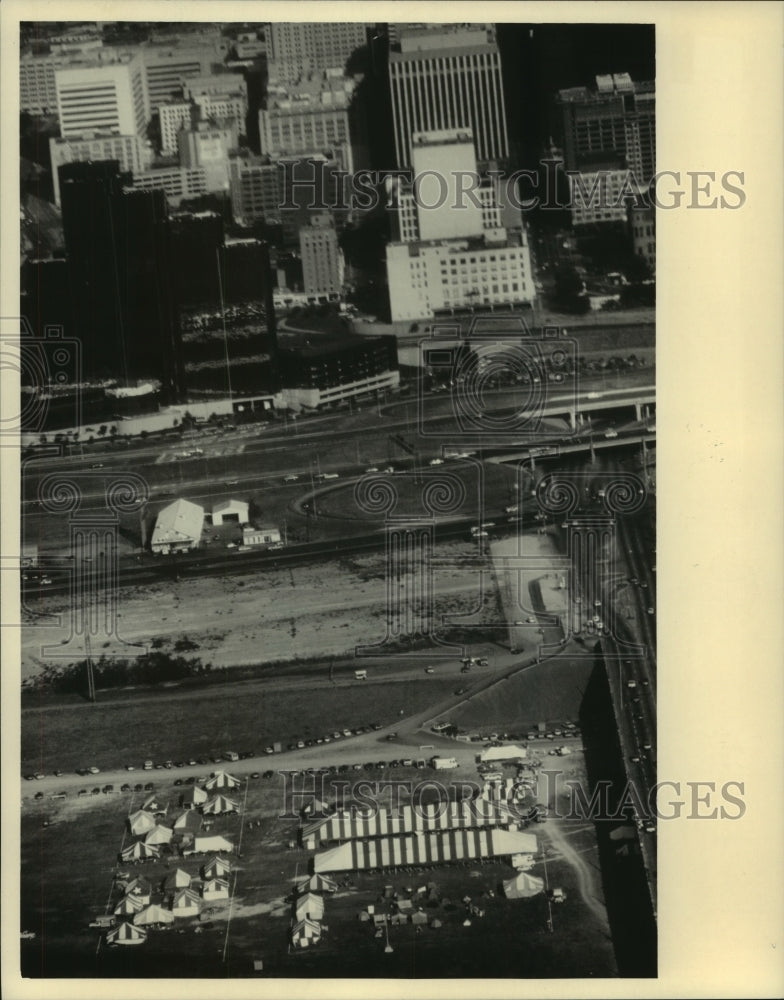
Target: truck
column 360, row 675
column 231, row 755
column 444, row 763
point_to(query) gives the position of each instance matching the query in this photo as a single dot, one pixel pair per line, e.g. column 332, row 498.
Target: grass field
column 240, row 716
column 548, row 692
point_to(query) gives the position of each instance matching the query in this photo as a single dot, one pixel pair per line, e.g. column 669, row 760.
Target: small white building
column 229, row 512
column 260, row 536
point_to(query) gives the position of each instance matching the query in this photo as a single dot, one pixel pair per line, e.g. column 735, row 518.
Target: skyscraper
column 299, row 46
column 322, row 261
column 616, row 118
column 448, row 77
column 106, row 97
column 117, row 243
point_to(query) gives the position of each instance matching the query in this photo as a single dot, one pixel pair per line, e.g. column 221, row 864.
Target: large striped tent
column 351, row 824
column 424, row 848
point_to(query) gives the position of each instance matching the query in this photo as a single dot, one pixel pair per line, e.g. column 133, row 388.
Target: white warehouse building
column 178, row 528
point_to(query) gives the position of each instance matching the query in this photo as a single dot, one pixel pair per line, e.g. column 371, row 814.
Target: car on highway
column 651, row 611
column 291, row 478
column 611, row 433
column 436, row 461
column 93, row 770
column 594, row 395
column 371, row 468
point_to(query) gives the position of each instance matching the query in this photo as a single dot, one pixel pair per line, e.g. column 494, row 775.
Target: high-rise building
column 617, row 117
column 448, row 77
column 106, row 97
column 172, row 116
column 322, row 260
column 459, row 249
column 207, row 145
column 297, row 46
column 132, row 152
column 312, row 114
column 117, row 245
column 167, row 67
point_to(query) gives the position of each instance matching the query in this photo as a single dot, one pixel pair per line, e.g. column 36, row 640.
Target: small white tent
column 159, row 835
column 141, row 822
column 523, row 886
column 153, row 914
column 309, row 906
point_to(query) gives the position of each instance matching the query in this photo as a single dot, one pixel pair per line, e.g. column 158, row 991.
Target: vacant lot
column 260, row 617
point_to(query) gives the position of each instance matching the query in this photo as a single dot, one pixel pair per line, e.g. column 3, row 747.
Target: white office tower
column 448, row 77
column 462, row 244
column 107, row 97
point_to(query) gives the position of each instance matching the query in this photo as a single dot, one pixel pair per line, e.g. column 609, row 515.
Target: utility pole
column 90, row 674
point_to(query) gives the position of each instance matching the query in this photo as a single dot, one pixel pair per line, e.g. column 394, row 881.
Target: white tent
column 215, row 888
column 220, row 804
column 153, row 914
column 141, row 822
column 193, row 796
column 188, row 821
column 215, row 843
column 523, row 886
column 159, row 835
column 181, row 879
column 222, row 779
column 126, row 934
column 186, row 903
column 309, row 906
column 511, row 752
column 139, row 850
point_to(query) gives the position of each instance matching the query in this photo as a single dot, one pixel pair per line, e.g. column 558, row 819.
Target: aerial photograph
column 338, row 500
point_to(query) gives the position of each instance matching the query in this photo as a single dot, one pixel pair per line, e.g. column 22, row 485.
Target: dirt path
column 586, row 884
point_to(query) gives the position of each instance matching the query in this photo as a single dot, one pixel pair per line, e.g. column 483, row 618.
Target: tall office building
column 117, row 245
column 301, row 46
column 310, row 115
column 106, row 97
column 448, row 77
column 167, row 67
column 322, row 260
column 453, row 258
column 132, row 152
column 616, row 118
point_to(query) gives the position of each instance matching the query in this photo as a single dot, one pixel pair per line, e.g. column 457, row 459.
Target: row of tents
column 307, row 924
